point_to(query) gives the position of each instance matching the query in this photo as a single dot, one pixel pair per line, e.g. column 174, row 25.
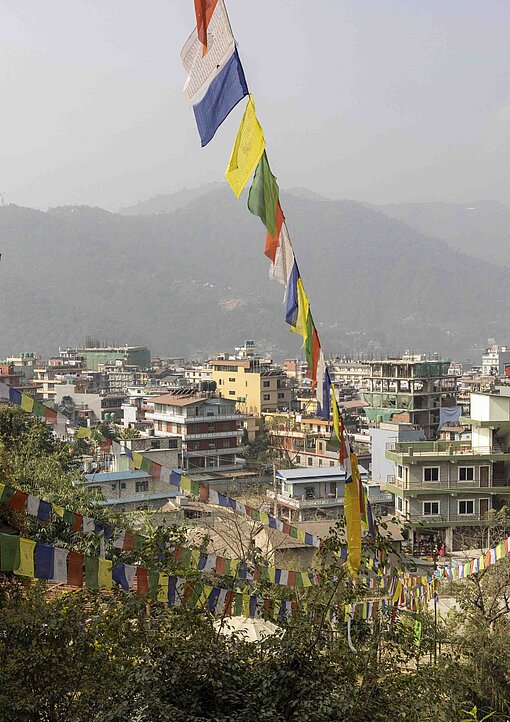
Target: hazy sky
column 377, row 100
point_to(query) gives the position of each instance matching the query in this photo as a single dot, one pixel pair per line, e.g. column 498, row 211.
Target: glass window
column 266, row 397
column 310, row 461
column 399, row 503
column 298, row 459
column 431, row 473
column 466, row 506
column 399, row 471
column 266, row 384
column 466, row 473
column 141, row 486
column 430, row 508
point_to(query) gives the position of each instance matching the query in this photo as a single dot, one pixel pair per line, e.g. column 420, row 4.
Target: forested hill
column 195, row 280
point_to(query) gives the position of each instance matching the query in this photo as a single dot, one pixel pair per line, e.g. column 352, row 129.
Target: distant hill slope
column 168, row 202
column 195, row 280
column 481, row 228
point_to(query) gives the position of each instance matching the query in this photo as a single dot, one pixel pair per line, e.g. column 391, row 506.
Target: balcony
column 501, row 486
column 302, row 503
column 214, row 435
column 180, row 419
column 211, row 452
column 405, row 452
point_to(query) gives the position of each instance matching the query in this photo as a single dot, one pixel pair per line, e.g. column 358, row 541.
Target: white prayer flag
column 201, row 68
column 60, row 565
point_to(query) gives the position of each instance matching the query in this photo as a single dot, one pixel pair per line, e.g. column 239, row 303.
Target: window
column 466, row 506
column 430, row 508
column 310, row 461
column 266, row 384
column 399, row 471
column 232, row 379
column 399, row 504
column 281, row 395
column 266, row 397
column 431, row 473
column 298, row 459
column 141, row 486
column 309, row 492
column 123, row 485
column 331, row 463
column 114, row 486
column 466, row 473
column 320, row 462
column 232, row 393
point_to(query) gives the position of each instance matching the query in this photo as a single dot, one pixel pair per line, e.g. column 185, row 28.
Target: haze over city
column 383, row 102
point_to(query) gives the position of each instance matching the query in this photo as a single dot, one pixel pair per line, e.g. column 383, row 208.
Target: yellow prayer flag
column 163, row 588
column 104, row 574
column 303, row 308
column 481, row 562
column 301, row 535
column 83, row 433
column 271, row 574
column 186, row 483
column 396, row 594
column 500, row 550
column 247, row 151
column 234, row 565
column 137, row 459
column 58, row 510
column 246, row 605
column 26, row 558
column 336, row 415
column 27, row 403
column 305, row 579
column 195, row 558
column 264, row 518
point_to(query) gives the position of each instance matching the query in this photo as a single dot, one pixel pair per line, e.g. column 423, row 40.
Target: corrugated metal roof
column 139, row 498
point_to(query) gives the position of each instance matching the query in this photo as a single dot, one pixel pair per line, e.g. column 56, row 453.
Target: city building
column 445, row 488
column 94, row 354
column 495, row 360
column 255, row 386
column 411, row 389
column 304, row 494
column 299, row 440
column 210, row 428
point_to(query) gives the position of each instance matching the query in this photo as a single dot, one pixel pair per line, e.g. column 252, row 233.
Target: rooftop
column 105, row 476
column 314, row 473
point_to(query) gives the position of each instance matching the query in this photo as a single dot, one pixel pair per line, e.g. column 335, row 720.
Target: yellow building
column 256, row 388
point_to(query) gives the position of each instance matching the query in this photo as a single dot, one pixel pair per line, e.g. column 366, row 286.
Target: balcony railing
column 302, row 502
column 213, row 435
column 444, row 448
column 447, row 484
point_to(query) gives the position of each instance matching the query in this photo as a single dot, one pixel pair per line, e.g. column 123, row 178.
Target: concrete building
column 382, row 468
column 94, row 354
column 256, row 387
column 495, row 360
column 304, row 494
column 410, row 389
column 301, row 441
column 449, row 486
column 131, row 490
column 210, row 429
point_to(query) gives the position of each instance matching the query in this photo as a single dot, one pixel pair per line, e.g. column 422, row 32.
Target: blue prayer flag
column 14, row 396
column 175, row 478
column 44, row 561
column 223, row 94
column 291, row 311
column 44, row 510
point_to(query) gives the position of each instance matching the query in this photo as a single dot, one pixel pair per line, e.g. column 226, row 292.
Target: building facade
column 210, row 429
column 256, row 387
column 449, row 486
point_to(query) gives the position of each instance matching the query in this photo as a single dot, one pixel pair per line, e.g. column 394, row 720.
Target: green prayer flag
column 238, row 605
column 309, row 340
column 293, row 532
column 68, row 517
column 195, row 488
column 195, row 595
column 263, row 196
column 146, row 465
column 153, row 584
column 255, row 515
column 6, row 494
column 39, row 409
column 185, row 558
column 9, row 552
column 139, row 540
column 91, row 572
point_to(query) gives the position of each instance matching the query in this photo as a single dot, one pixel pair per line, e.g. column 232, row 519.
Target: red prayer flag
column 204, row 10
column 142, row 581
column 291, row 582
column 77, row 522
column 155, row 471
column 204, row 492
column 50, row 415
column 228, row 603
column 129, row 541
column 75, row 569
column 273, row 241
column 18, row 500
column 286, row 528
column 220, row 565
column 316, row 348
column 177, row 555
